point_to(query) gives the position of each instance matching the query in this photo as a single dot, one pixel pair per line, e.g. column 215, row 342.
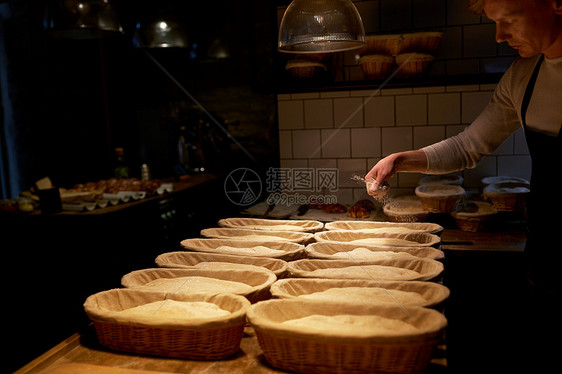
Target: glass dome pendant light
column 81, row 19
column 313, row 26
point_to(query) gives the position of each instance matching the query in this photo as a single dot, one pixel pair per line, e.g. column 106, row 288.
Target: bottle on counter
column 121, row 168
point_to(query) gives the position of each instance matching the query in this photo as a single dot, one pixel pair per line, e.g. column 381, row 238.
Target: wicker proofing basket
column 507, row 196
column 423, row 42
column 427, row 270
column 433, row 293
column 431, row 228
column 439, row 198
column 413, row 64
column 290, row 251
column 376, row 66
column 198, row 339
column 326, row 250
column 259, row 281
column 417, row 239
column 313, row 351
column 183, row 259
column 381, row 44
column 272, row 224
column 248, row 234
column 474, row 220
column 406, row 210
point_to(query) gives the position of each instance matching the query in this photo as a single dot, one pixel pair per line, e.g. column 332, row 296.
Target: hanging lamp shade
column 81, row 19
column 312, row 26
column 160, row 32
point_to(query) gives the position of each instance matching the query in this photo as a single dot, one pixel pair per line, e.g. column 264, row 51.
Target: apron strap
column 529, row 91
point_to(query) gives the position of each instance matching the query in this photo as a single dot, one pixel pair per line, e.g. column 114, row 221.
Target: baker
column 529, row 95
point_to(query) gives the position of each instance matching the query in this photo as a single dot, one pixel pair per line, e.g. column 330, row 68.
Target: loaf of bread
column 350, row 324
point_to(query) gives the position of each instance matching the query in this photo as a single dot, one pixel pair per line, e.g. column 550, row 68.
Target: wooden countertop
column 81, row 354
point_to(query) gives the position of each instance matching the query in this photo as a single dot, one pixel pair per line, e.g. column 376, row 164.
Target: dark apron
column 544, row 204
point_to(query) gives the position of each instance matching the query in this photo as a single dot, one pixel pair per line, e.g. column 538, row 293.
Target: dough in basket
column 393, row 242
column 366, row 272
column 257, row 250
column 368, row 294
column 196, row 284
column 350, row 324
column 366, row 254
column 175, row 309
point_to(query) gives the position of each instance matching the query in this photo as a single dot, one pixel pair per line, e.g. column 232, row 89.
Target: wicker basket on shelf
column 413, row 64
column 190, row 338
column 329, row 350
column 376, row 66
column 423, row 42
column 381, row 44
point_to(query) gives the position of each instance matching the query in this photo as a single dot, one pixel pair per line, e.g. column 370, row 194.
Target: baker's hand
column 379, row 175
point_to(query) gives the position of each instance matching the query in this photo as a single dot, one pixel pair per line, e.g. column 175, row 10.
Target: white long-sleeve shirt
column 502, row 116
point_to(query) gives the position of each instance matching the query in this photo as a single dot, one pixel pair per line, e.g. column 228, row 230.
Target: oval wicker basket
column 198, row 339
column 183, row 259
column 258, row 281
column 326, row 250
column 272, row 224
column 290, row 251
column 431, row 228
column 315, row 351
column 474, row 219
column 433, row 293
column 507, row 196
column 439, row 198
column 417, row 239
column 427, row 270
column 256, row 235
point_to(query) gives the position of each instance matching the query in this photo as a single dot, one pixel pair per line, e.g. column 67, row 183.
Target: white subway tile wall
column 352, row 130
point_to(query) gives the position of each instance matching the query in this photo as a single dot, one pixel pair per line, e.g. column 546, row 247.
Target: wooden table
column 81, row 354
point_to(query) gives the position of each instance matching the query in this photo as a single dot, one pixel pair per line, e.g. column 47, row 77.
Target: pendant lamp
column 81, row 19
column 160, row 32
column 313, row 26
